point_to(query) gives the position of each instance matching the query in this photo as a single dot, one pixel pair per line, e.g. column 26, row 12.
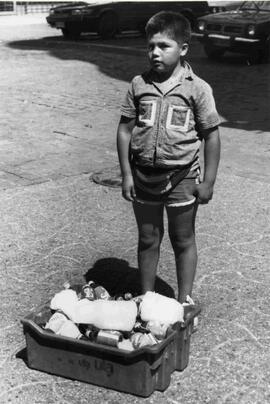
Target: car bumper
column 82, row 23
column 225, row 38
column 232, row 43
column 58, row 22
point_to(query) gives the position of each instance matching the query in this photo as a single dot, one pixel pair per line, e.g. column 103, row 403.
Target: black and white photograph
column 135, row 202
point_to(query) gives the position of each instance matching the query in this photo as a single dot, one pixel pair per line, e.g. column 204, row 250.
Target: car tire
column 71, row 33
column 214, row 52
column 260, row 55
column 108, row 25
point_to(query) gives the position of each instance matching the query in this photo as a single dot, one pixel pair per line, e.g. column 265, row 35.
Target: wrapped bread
column 165, row 310
column 65, row 301
column 107, row 314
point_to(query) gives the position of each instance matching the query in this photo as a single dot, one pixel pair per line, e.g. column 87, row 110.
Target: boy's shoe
column 187, row 303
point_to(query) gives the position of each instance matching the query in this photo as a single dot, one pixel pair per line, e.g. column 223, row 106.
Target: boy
column 167, row 112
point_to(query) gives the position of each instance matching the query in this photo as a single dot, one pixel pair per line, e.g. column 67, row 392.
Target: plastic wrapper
column 107, row 314
column 140, row 340
column 65, row 301
column 158, row 329
column 55, row 323
column 155, row 307
column 61, row 325
column 126, row 345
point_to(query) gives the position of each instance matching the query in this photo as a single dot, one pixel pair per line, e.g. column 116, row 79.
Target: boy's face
column 164, row 52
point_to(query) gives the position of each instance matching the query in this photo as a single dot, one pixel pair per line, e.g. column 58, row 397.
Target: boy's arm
column 211, row 162
column 123, row 147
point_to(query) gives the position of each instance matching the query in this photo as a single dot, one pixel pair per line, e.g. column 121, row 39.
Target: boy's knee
column 181, row 241
column 151, row 239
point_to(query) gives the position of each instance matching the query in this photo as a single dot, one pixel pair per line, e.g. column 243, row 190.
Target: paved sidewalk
column 59, row 113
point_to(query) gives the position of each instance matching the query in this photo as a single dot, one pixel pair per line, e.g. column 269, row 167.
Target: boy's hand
column 128, row 190
column 204, row 192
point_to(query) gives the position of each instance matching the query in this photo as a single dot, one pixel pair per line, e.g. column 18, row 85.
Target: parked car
column 217, row 6
column 245, row 30
column 109, row 18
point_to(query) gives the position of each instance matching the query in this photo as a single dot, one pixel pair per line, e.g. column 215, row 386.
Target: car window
column 256, row 5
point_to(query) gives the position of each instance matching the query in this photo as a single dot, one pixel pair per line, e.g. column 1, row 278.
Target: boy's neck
column 160, row 78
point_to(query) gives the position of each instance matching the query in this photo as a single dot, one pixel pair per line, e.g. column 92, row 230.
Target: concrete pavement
column 59, row 112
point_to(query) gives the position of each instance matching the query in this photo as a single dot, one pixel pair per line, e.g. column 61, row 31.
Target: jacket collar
column 167, row 86
column 185, row 73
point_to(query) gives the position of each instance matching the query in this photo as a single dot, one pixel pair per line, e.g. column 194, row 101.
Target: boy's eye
column 159, row 46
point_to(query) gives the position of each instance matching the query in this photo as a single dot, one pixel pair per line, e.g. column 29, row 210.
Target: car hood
column 78, row 5
column 71, row 6
column 238, row 16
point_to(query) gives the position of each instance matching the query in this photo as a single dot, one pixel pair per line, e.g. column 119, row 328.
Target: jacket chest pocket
column 147, row 112
column 178, row 118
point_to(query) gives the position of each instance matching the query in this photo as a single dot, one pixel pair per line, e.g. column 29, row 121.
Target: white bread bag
column 156, row 307
column 107, row 314
column 65, row 301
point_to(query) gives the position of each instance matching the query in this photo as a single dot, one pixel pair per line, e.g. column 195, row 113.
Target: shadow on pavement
column 110, row 177
column 118, row 277
column 242, row 92
column 22, row 354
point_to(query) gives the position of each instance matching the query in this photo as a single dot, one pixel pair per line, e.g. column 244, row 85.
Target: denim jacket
column 169, row 121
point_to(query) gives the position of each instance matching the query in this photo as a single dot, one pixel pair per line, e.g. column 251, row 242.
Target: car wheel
column 260, row 55
column 213, row 52
column 71, row 33
column 108, row 26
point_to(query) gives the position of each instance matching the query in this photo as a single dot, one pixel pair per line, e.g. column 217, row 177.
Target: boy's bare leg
column 181, row 222
column 150, row 228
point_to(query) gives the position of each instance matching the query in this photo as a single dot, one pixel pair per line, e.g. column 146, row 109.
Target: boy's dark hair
column 174, row 24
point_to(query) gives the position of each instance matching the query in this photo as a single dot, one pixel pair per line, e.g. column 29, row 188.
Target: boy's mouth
column 157, row 63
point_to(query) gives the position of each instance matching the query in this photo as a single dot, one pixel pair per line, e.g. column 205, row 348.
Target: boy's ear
column 184, row 49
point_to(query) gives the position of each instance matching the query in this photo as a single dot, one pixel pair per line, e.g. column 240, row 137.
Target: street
column 59, row 111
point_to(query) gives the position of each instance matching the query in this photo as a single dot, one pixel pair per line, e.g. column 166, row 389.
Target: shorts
column 183, row 194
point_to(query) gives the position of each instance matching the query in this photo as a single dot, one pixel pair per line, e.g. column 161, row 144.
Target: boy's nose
column 155, row 51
